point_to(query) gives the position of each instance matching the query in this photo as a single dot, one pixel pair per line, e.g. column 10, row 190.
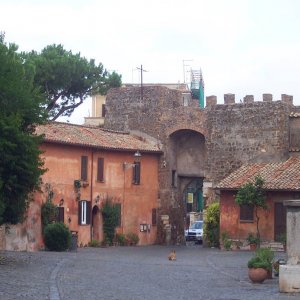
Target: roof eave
column 101, row 147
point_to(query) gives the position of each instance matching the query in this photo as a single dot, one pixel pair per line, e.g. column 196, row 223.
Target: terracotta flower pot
column 253, row 247
column 257, row 275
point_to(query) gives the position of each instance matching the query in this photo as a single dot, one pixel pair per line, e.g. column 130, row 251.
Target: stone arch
column 200, row 129
column 188, row 152
column 187, row 155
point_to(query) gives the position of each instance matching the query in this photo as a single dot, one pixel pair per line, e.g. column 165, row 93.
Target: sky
column 244, row 47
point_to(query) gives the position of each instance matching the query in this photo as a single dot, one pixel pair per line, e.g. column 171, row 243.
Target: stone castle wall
column 233, row 134
column 245, row 132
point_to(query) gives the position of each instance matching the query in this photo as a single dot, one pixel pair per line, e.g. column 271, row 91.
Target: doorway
column 97, row 224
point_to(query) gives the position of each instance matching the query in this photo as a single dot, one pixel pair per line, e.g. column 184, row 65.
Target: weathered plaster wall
column 230, row 214
column 64, row 166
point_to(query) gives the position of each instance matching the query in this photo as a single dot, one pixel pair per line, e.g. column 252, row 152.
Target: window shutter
column 154, row 218
column 79, row 212
column 60, row 214
column 88, row 212
column 136, row 173
column 100, row 173
column 84, row 162
column 103, row 110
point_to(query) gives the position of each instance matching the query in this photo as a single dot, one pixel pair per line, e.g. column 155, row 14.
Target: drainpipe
column 91, row 196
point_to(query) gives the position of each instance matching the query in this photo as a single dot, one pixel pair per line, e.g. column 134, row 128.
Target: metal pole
column 142, row 82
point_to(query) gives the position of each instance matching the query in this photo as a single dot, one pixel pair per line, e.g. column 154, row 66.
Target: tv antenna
column 142, row 70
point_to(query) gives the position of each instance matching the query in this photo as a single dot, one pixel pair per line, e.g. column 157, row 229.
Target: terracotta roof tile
column 277, row 176
column 56, row 132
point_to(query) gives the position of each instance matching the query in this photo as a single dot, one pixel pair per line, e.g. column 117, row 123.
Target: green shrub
column 227, row 243
column 211, row 225
column 94, row 243
column 57, row 237
column 256, row 262
column 252, row 239
column 266, row 254
column 49, row 213
column 121, row 239
column 132, row 238
column 263, row 259
column 110, row 213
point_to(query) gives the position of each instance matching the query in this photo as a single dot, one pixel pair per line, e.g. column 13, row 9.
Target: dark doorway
column 279, row 220
column 97, row 230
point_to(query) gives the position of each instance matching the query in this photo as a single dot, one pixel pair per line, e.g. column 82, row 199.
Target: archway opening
column 187, row 162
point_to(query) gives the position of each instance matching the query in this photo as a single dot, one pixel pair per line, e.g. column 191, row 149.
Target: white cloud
column 243, row 47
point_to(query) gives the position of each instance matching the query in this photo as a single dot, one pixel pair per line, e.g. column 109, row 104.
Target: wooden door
column 279, row 220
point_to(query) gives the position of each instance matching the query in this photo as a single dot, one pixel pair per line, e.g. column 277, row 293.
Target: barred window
column 246, row 213
column 136, row 175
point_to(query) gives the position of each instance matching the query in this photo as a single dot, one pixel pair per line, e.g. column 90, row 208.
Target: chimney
column 229, row 98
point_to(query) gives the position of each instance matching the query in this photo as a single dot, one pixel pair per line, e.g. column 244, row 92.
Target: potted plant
column 260, row 266
column 226, row 242
column 267, row 255
column 253, row 241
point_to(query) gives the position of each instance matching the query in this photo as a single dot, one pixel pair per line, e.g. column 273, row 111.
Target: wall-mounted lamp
column 61, row 202
column 97, row 199
column 69, row 220
column 137, row 158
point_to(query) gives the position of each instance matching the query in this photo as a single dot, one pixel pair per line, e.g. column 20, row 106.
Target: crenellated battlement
column 230, row 99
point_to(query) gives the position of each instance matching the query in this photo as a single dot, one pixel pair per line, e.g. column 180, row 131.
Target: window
column 84, row 163
column 60, row 211
column 246, row 213
column 100, row 171
column 136, row 173
column 154, row 216
column 173, row 178
column 84, row 212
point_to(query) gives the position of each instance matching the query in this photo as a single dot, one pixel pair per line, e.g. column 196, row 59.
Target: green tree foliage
column 20, row 108
column 211, row 224
column 110, row 213
column 67, row 79
column 48, row 210
column 253, row 194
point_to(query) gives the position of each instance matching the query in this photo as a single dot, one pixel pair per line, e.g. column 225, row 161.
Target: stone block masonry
column 222, row 136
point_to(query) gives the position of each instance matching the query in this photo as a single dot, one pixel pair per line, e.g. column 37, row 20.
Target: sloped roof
column 94, row 137
column 277, row 176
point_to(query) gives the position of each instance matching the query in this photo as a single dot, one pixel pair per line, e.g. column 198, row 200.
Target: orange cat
column 172, row 255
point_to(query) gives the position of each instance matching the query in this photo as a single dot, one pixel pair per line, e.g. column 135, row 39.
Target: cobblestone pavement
column 133, row 273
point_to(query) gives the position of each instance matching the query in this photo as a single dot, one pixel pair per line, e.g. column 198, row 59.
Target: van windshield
column 197, row 225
